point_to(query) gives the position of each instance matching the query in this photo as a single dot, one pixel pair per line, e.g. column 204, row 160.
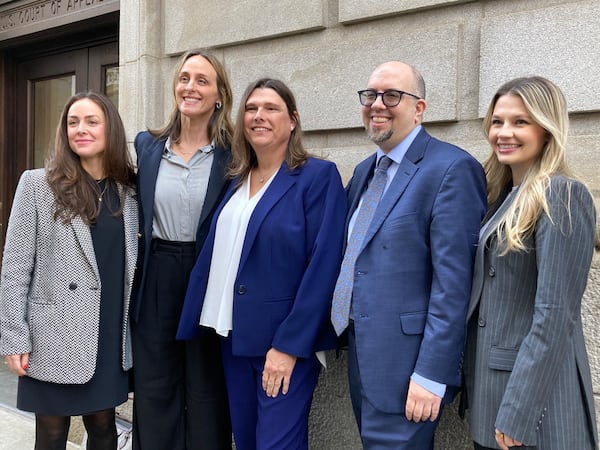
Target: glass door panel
column 111, row 84
column 49, row 98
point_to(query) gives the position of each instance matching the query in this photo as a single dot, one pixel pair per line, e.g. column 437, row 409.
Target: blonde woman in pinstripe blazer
column 526, row 368
column 68, row 267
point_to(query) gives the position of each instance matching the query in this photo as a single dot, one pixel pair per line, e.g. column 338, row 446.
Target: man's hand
column 421, row 405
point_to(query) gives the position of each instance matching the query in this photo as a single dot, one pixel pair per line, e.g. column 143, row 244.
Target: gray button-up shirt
column 180, row 193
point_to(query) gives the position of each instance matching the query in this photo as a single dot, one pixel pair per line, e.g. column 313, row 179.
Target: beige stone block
column 590, row 313
column 141, row 99
column 325, row 71
column 355, row 10
column 202, row 23
column 558, row 42
column 140, row 24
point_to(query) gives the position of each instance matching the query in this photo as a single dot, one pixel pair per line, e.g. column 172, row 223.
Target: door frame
column 16, row 152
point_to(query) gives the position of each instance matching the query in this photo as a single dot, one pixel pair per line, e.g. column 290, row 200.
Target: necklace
column 103, row 190
column 262, row 178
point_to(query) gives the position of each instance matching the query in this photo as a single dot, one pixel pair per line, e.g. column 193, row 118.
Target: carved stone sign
column 24, row 17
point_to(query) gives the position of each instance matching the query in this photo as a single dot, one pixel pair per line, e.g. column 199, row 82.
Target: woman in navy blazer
column 180, row 396
column 526, row 368
column 266, row 274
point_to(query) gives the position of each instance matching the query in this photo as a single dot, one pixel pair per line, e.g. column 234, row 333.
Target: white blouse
column 217, row 310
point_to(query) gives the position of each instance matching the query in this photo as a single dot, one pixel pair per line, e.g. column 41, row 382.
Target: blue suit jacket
column 149, row 154
column 413, row 274
column 288, row 267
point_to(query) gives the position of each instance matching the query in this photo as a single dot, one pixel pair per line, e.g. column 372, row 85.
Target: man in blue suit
column 408, row 269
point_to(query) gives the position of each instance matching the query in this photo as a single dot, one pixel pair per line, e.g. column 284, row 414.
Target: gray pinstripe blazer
column 526, row 368
column 50, row 286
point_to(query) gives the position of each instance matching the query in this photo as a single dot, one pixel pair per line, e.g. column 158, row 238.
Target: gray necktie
column 340, row 309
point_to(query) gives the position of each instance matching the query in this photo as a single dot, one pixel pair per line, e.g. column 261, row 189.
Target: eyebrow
column 85, row 117
column 263, row 105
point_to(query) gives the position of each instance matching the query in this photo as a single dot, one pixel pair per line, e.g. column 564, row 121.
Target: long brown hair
column 220, row 128
column 243, row 157
column 76, row 192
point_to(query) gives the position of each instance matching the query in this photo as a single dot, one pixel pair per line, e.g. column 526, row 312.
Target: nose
column 258, row 114
column 189, row 85
column 505, row 130
column 81, row 127
column 378, row 103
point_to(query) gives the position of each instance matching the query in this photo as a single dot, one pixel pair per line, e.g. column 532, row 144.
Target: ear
column 294, row 120
column 420, row 106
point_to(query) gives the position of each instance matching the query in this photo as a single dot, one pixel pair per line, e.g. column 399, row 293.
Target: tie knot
column 384, row 163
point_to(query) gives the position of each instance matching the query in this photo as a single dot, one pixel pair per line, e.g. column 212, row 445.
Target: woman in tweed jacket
column 526, row 368
column 68, row 265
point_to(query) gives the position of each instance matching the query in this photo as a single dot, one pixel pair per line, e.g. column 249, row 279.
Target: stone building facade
column 325, row 50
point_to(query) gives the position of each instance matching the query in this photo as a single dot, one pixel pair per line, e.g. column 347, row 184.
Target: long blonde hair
column 220, row 127
column 547, row 107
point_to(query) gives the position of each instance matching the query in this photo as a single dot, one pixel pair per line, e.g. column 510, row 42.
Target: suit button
column 481, row 322
column 73, row 286
column 139, row 235
column 241, row 289
column 492, row 271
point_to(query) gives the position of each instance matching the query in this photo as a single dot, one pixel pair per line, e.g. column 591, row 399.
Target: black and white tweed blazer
column 50, row 286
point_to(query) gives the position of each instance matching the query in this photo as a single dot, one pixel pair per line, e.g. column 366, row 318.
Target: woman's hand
column 505, row 441
column 277, row 372
column 17, row 363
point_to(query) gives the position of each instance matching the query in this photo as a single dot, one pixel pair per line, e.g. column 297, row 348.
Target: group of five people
column 250, row 259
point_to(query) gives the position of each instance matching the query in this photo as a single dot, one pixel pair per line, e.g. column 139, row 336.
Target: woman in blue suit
column 273, row 254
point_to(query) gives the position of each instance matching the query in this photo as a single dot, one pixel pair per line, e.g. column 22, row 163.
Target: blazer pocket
column 413, row 323
column 502, row 358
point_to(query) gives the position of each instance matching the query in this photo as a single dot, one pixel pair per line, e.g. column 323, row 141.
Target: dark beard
column 378, row 138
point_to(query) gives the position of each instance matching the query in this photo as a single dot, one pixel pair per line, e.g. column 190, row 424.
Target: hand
column 277, row 372
column 505, row 441
column 421, row 405
column 17, row 363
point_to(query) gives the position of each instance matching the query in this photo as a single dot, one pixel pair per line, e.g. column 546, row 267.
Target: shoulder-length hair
column 547, row 107
column 220, row 128
column 76, row 192
column 243, row 157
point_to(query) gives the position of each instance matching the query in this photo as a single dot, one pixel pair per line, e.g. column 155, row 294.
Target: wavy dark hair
column 76, row 192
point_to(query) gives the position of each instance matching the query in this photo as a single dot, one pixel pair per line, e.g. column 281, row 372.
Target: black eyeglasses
column 391, row 97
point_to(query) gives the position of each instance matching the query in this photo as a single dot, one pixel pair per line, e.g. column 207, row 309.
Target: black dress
column 109, row 385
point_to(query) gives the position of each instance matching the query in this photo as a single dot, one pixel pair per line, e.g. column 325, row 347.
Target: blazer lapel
column 130, row 220
column 407, row 169
column 495, row 212
column 361, row 179
column 147, row 179
column 84, row 237
column 282, row 182
column 216, row 182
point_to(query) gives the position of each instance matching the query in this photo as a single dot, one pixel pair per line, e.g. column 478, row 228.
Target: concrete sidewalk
column 17, row 430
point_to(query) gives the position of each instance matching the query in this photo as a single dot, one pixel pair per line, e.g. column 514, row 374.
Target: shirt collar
column 206, row 149
column 397, row 153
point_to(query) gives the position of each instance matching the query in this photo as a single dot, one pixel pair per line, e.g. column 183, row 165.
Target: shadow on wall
column 332, row 425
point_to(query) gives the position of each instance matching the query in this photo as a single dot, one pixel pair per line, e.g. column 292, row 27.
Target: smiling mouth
column 507, row 147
